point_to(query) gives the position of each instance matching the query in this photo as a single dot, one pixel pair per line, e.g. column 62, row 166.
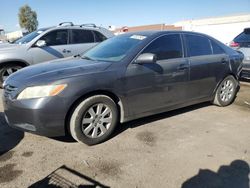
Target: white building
column 222, row 28
column 14, row 35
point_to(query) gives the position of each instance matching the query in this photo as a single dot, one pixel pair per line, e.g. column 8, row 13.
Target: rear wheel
column 94, row 120
column 7, row 70
column 226, row 92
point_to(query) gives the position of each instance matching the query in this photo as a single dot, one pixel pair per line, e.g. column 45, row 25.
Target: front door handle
column 66, row 51
column 182, row 67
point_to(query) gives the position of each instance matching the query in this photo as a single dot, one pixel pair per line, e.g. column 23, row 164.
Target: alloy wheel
column 227, row 90
column 8, row 71
column 97, row 120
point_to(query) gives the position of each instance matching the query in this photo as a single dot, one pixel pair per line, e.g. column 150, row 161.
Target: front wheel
column 94, row 120
column 226, row 92
column 6, row 71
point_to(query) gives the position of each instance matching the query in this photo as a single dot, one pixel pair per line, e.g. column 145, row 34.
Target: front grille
column 8, row 90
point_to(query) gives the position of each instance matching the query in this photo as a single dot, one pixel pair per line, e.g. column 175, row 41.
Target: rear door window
column 82, row 36
column 198, row 45
column 216, row 48
column 166, row 47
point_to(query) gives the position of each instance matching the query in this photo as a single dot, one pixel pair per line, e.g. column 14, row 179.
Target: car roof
column 44, row 28
column 157, row 33
column 91, row 27
column 160, row 32
column 88, row 27
column 77, row 27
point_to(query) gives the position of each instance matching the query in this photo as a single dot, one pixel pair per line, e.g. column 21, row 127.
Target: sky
column 118, row 13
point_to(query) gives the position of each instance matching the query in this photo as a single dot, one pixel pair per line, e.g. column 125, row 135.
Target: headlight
column 41, row 91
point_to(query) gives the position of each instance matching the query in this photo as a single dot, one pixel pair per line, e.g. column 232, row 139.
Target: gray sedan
column 123, row 78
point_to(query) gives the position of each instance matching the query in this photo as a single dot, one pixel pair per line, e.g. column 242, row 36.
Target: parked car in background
column 242, row 43
column 45, row 44
column 123, row 78
column 2, row 36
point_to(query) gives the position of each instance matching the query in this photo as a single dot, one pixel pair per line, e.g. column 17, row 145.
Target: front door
column 159, row 85
column 56, row 47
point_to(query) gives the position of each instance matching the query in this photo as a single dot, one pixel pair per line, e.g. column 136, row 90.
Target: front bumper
column 43, row 116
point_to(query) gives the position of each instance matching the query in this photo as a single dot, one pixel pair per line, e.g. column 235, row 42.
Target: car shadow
column 67, row 138
column 140, row 122
column 235, row 175
column 9, row 137
column 60, row 178
column 149, row 119
column 244, row 80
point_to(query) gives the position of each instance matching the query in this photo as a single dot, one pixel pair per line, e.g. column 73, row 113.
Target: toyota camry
column 126, row 77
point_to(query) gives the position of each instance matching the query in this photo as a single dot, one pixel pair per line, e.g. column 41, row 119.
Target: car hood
column 10, row 47
column 56, row 70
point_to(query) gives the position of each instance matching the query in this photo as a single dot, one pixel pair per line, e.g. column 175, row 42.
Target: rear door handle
column 224, row 60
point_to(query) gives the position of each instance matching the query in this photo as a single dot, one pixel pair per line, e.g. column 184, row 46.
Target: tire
column 6, row 71
column 93, row 120
column 226, row 92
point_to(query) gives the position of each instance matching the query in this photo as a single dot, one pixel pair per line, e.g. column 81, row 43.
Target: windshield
column 114, row 49
column 29, row 37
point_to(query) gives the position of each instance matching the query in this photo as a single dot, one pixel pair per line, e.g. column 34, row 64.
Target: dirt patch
column 27, row 154
column 107, row 168
column 242, row 100
column 7, row 173
column 6, row 156
column 242, row 104
column 147, row 138
column 3, row 152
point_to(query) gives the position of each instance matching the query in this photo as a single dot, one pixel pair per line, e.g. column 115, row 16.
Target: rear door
column 208, row 65
column 81, row 40
column 158, row 85
column 56, row 46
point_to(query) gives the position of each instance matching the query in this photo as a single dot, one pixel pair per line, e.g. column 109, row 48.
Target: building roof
column 216, row 20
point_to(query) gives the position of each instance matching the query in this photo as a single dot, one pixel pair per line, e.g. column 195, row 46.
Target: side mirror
column 40, row 43
column 146, row 58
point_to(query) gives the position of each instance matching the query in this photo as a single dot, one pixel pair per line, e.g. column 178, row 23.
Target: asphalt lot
column 198, row 146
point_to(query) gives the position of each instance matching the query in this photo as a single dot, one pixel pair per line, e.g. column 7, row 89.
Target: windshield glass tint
column 29, row 37
column 114, row 49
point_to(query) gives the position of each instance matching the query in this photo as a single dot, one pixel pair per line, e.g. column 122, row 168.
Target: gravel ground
column 198, row 146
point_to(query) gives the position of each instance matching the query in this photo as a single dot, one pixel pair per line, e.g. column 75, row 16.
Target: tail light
column 234, row 44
